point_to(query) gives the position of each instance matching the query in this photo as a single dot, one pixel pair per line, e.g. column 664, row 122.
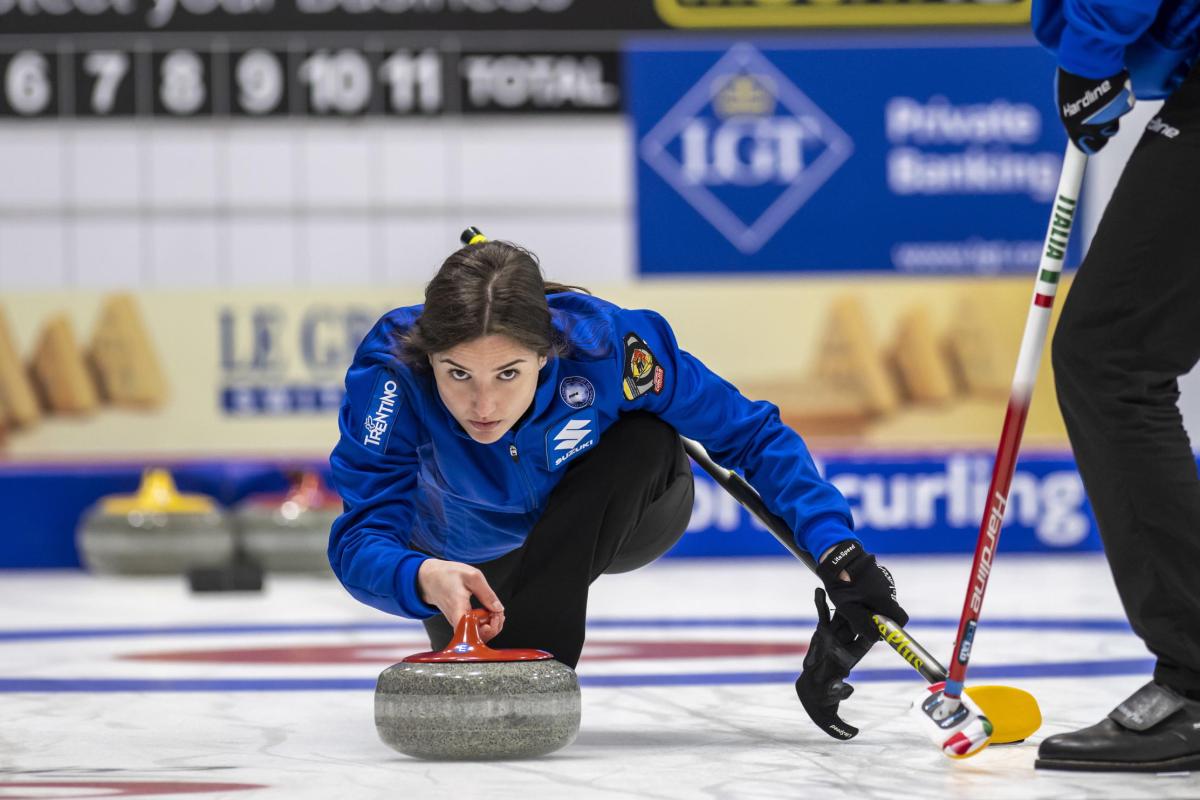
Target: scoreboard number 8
column 182, row 89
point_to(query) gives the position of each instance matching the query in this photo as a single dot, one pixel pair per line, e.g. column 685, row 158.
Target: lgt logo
column 746, row 148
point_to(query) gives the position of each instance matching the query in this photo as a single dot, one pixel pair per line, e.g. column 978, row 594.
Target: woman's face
column 487, row 383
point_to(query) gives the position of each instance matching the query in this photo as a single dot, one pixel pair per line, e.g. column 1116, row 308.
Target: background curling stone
column 290, row 532
column 470, row 702
column 156, row 531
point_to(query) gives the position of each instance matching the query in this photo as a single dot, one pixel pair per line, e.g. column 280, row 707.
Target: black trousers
column 1129, row 328
column 617, row 508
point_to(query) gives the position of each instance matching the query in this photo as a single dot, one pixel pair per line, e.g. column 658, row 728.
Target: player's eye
column 508, row 374
column 459, row 374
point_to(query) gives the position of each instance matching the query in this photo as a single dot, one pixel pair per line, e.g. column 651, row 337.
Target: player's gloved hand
column 1091, row 108
column 832, row 653
column 860, row 588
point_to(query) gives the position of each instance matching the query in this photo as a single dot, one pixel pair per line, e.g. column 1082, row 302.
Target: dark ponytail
column 489, row 288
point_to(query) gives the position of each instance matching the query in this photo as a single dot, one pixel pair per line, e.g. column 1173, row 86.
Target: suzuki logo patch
column 746, row 148
column 570, row 437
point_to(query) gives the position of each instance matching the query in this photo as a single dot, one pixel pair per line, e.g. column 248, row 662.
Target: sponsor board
column 842, row 155
column 489, row 16
column 904, row 503
column 202, row 16
column 918, row 504
column 262, row 373
column 280, row 360
column 820, row 13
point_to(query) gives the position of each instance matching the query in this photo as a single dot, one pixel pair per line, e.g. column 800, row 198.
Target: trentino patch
column 377, row 425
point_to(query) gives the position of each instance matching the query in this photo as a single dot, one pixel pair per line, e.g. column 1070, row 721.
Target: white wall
column 306, row 203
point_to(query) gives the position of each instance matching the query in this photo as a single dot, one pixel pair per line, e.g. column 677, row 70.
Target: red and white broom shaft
column 1066, row 204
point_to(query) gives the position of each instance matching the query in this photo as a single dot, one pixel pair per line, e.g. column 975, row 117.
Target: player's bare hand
column 449, row 585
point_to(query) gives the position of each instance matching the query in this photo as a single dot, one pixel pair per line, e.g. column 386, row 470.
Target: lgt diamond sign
column 746, row 148
column 843, row 154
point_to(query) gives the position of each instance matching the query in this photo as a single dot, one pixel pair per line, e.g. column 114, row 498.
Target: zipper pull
column 512, row 451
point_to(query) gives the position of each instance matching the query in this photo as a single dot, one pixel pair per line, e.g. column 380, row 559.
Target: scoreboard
column 304, row 78
column 347, row 58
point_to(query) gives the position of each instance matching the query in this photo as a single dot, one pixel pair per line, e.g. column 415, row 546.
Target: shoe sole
column 1178, row 764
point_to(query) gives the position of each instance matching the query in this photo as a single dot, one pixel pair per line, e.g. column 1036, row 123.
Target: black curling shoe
column 1155, row 730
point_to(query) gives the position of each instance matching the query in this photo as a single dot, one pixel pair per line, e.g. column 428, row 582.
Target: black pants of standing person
column 1129, row 328
column 617, row 508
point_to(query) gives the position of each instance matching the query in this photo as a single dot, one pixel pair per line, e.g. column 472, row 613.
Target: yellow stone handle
column 157, row 495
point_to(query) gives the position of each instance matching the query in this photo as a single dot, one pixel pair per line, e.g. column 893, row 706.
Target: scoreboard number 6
column 27, row 84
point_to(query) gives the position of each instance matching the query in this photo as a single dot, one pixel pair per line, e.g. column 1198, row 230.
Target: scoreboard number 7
column 107, row 68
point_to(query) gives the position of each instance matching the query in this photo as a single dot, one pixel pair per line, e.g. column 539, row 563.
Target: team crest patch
column 377, row 425
column 643, row 373
column 577, row 391
column 569, row 437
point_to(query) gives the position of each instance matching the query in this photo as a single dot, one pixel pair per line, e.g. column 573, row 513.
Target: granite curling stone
column 470, row 702
column 290, row 532
column 157, row 531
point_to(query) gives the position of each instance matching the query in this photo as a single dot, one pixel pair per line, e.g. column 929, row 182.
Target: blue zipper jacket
column 1156, row 40
column 414, row 482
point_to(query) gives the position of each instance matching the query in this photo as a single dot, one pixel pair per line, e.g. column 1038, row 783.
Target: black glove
column 869, row 591
column 1090, row 108
column 832, row 653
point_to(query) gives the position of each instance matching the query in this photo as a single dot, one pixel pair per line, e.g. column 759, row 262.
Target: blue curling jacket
column 414, row 482
column 1156, row 40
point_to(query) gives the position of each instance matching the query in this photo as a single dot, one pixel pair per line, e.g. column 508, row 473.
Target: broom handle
column 908, row 648
column 1033, row 342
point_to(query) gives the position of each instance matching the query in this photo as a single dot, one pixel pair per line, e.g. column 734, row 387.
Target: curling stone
column 156, row 531
column 470, row 702
column 290, row 532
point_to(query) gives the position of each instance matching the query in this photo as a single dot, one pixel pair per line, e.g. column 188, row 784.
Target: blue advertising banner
column 909, row 503
column 902, row 503
column 912, row 155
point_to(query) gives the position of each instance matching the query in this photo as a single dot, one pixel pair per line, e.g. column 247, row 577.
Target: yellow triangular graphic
column 919, row 361
column 849, row 362
column 127, row 369
column 980, row 349
column 18, row 402
column 59, row 370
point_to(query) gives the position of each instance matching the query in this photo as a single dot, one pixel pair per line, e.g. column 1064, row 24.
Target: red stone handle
column 466, row 645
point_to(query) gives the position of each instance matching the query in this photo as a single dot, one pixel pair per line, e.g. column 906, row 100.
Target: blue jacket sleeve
column 737, row 432
column 1090, row 36
column 375, row 471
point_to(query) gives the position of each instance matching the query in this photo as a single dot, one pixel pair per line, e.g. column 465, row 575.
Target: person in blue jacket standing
column 510, row 440
column 1129, row 328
